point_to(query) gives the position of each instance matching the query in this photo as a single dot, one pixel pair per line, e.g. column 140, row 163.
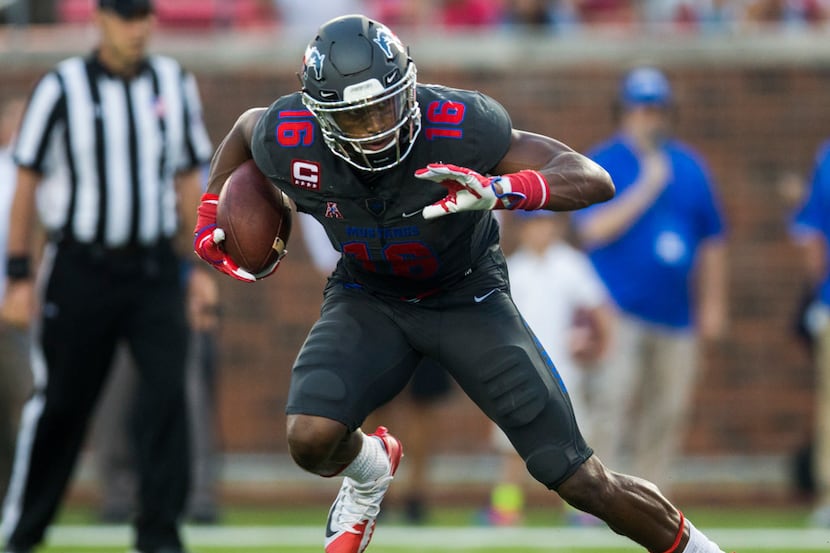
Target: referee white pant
column 644, row 397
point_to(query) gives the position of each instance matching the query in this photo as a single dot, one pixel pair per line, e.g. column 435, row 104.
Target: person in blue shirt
column 659, row 247
column 811, row 230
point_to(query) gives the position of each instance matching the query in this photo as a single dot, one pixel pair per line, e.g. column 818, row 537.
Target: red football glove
column 470, row 191
column 207, row 238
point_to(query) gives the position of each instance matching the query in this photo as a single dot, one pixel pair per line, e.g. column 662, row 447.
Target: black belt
column 144, row 259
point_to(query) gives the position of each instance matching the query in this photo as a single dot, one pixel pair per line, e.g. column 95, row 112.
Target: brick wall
column 752, row 125
column 753, row 122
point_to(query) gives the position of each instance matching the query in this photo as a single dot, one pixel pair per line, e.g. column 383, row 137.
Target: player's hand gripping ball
column 244, row 231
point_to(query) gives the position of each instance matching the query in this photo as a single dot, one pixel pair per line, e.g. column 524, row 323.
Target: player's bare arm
column 234, row 149
column 574, row 181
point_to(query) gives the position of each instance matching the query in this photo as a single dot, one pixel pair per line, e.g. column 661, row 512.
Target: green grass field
column 300, row 530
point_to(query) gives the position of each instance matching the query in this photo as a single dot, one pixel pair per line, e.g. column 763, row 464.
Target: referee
column 108, row 141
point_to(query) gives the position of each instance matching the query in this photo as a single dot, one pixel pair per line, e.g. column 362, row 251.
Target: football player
column 403, row 177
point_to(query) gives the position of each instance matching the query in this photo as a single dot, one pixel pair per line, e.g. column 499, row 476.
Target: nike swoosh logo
column 479, row 299
column 408, row 215
column 329, row 530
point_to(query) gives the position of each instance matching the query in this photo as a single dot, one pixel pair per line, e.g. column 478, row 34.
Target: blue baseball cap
column 127, row 9
column 645, row 86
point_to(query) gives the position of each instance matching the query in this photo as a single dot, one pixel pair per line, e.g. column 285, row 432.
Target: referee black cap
column 127, row 8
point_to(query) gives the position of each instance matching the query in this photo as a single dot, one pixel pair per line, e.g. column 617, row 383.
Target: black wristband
column 19, row 267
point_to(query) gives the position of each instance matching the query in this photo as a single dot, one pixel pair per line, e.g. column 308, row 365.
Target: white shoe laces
column 360, row 502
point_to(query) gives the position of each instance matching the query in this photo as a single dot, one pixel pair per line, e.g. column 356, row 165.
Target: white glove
column 467, row 190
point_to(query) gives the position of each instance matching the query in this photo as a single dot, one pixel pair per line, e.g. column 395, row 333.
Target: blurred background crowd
column 554, row 16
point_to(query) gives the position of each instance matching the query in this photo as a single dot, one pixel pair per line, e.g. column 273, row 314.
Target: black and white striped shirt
column 109, row 147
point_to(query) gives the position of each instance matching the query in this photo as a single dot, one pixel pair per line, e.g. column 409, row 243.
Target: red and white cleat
column 353, row 514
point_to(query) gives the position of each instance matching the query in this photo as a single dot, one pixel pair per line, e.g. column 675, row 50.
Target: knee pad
column 552, row 465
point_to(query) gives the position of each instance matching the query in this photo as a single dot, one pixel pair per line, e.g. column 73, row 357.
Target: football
column 256, row 217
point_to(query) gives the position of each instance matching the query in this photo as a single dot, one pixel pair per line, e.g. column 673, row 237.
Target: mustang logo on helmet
column 314, row 59
column 385, row 39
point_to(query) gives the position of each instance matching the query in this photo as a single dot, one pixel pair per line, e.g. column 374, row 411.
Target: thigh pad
column 528, row 402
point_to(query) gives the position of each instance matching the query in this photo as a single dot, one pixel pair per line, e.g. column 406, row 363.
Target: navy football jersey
column 374, row 219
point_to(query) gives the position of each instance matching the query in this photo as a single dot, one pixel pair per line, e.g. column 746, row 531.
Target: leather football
column 256, row 217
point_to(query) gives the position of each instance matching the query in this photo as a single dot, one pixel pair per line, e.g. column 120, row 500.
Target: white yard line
column 550, row 539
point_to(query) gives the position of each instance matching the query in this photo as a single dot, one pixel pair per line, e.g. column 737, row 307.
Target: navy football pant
column 363, row 349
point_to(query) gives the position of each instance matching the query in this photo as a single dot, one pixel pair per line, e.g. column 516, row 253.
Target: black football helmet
column 359, row 83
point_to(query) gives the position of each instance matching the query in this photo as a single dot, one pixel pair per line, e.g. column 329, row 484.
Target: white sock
column 698, row 543
column 371, row 462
